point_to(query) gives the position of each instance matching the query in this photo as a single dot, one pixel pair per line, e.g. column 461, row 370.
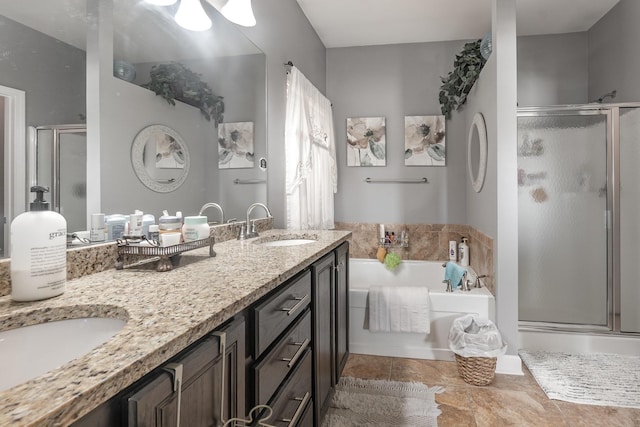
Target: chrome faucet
column 248, row 229
column 212, row 205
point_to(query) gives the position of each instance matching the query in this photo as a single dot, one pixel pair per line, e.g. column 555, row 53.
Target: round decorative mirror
column 477, row 152
column 160, row 158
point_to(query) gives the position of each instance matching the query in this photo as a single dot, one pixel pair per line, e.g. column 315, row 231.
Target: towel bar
column 249, row 181
column 398, row 181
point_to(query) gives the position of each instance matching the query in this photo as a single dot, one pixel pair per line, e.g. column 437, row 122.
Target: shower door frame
column 57, row 131
column 612, row 214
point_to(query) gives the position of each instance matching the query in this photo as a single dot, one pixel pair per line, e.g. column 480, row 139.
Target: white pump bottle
column 38, row 252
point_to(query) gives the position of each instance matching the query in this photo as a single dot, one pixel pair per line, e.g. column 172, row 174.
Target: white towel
column 399, row 309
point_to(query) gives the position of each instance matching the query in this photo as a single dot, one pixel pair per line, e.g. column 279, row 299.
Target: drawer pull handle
column 303, row 345
column 301, row 302
column 303, row 402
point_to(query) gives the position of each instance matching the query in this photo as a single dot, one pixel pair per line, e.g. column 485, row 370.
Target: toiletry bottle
column 453, row 251
column 147, row 220
column 135, row 223
column 154, row 233
column 38, row 251
column 195, row 228
column 98, row 231
column 116, row 226
column 463, row 250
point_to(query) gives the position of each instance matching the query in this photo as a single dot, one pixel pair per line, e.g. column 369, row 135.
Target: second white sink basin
column 30, row 351
column 288, row 242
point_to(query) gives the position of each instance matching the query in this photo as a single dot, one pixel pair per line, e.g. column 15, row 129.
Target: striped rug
column 593, row 379
column 376, row 403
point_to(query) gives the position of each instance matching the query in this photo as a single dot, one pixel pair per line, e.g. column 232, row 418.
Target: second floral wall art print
column 235, row 145
column 424, row 141
column 366, row 141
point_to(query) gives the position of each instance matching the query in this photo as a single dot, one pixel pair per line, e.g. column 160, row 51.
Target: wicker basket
column 476, row 370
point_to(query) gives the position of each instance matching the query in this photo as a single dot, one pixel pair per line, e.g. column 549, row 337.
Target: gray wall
column 614, row 62
column 284, row 34
column 51, row 73
column 553, row 69
column 395, row 81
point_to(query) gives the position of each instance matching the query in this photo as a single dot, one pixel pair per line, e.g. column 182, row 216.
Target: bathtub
column 444, row 308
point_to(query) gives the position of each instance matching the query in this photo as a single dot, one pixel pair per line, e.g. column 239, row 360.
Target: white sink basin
column 30, row 351
column 288, row 242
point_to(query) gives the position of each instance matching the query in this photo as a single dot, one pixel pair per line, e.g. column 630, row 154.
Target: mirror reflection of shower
column 58, row 159
column 604, row 97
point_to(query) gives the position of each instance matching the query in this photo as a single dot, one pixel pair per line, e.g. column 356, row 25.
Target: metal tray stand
column 168, row 256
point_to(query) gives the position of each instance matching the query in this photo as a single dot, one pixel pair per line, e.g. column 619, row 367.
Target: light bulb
column 161, row 2
column 191, row 16
column 239, row 12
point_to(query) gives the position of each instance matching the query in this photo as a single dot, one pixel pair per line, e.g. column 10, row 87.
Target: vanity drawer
column 294, row 399
column 274, row 315
column 282, row 359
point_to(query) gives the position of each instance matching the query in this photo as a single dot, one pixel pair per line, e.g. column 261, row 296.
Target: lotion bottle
column 38, row 252
column 463, row 252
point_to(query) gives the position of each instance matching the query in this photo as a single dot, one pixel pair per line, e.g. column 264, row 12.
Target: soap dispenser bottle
column 38, row 251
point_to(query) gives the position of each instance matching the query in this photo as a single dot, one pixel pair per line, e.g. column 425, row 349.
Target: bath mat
column 359, row 402
column 593, row 379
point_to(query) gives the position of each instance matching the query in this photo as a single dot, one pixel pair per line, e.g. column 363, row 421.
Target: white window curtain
column 311, row 173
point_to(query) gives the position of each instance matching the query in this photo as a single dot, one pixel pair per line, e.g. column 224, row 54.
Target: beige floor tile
column 430, row 372
column 455, row 404
column 495, row 407
column 368, row 367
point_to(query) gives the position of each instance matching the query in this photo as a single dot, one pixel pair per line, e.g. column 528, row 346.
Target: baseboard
column 509, row 364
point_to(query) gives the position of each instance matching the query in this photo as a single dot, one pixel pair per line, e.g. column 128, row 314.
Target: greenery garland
column 458, row 83
column 175, row 81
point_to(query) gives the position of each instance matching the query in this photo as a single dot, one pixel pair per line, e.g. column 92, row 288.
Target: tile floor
column 508, row 401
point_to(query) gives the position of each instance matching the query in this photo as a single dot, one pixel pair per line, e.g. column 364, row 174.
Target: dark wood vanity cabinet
column 203, row 387
column 330, row 325
column 290, row 356
column 192, row 383
column 282, row 369
column 341, row 309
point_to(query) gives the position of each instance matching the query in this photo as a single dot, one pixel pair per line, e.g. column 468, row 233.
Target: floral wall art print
column 235, row 145
column 424, row 141
column 366, row 141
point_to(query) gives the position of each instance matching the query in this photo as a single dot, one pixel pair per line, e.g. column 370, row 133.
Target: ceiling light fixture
column 191, row 16
column 239, row 12
column 161, row 2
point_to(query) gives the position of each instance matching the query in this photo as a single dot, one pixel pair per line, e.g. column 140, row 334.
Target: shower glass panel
column 562, row 204
column 61, row 164
column 629, row 219
column 73, row 179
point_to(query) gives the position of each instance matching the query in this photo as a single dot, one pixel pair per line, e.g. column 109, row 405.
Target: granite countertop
column 165, row 313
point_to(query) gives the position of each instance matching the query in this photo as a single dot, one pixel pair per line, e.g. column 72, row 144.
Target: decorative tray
column 168, row 256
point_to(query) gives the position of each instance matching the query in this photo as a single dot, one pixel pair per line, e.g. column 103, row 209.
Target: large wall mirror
column 63, row 54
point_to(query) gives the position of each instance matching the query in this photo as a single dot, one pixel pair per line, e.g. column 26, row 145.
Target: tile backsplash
column 429, row 242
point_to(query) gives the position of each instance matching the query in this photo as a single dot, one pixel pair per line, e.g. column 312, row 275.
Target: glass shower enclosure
column 58, row 160
column 578, row 212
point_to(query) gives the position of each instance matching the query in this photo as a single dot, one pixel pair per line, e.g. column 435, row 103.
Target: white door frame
column 15, row 160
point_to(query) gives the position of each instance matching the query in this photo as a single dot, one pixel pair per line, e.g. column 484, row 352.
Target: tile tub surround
column 82, row 261
column 166, row 312
column 427, row 242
